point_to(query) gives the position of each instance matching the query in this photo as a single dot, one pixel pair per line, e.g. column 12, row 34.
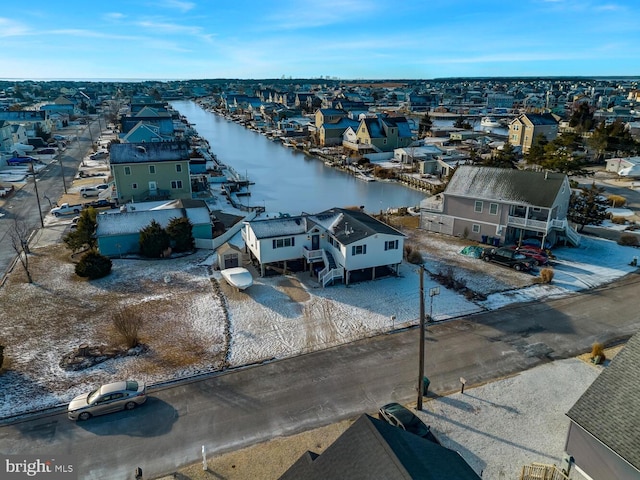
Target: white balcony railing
column 313, row 256
column 528, row 223
column 437, row 206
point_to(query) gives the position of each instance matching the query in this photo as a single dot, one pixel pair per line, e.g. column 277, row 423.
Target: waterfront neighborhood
column 144, row 249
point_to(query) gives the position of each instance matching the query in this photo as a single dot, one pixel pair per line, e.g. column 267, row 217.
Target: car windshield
column 132, row 386
column 405, row 416
column 93, row 396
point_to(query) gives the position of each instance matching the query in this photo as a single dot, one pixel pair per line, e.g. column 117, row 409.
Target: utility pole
column 35, row 187
column 64, row 183
column 90, row 132
column 421, row 358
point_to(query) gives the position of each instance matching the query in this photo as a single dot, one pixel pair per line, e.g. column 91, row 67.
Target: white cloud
column 177, row 4
column 297, row 15
column 12, row 28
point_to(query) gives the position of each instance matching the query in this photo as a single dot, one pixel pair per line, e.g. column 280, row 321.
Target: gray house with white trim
column 604, row 434
column 502, row 206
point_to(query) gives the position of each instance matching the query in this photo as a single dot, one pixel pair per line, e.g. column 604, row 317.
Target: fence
column 541, row 471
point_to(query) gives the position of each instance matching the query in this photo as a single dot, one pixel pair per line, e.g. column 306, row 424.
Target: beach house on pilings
column 336, row 245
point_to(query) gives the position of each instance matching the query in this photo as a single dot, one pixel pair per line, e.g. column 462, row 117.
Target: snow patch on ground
column 276, row 317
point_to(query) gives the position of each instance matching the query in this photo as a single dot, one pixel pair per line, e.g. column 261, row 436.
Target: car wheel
column 56, row 214
column 486, row 259
column 518, row 267
column 130, row 405
column 84, row 195
column 84, row 416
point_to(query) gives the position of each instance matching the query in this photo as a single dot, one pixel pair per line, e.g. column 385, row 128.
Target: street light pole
column 421, row 354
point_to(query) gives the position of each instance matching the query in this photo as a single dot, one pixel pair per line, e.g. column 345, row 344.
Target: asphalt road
column 22, row 205
column 227, row 411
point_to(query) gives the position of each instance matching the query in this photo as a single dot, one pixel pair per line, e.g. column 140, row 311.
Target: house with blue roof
column 145, row 132
column 382, row 133
column 150, row 116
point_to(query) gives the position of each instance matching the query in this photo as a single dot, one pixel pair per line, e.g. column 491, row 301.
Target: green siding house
column 151, row 171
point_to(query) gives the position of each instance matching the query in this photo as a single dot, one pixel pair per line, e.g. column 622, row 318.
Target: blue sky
column 347, row 39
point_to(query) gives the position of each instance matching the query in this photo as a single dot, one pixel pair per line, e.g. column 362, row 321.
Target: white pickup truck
column 66, row 209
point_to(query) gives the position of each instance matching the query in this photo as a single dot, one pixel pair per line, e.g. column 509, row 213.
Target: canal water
column 287, row 180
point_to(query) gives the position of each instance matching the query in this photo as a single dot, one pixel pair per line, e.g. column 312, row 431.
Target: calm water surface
column 286, row 180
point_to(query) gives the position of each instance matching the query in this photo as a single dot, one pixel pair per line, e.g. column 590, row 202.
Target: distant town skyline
column 348, row 39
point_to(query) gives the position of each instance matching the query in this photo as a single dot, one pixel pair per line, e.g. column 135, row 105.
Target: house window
column 152, row 169
column 359, row 250
column 178, row 168
column 134, row 186
column 176, row 183
column 493, row 208
column 127, row 170
column 391, row 245
column 283, row 242
column 475, row 228
column 478, row 206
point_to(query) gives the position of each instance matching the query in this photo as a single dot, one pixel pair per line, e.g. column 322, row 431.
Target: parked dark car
column 507, row 257
column 46, row 151
column 401, row 417
column 102, row 203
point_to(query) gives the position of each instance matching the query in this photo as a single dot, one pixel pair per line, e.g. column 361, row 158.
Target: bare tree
column 20, row 242
column 128, row 322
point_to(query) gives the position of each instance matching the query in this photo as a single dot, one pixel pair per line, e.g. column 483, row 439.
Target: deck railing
column 313, row 256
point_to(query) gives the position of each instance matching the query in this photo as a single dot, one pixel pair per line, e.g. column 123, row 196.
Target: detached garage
column 229, row 256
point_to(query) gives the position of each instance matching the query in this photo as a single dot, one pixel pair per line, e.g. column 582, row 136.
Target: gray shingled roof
column 278, row 227
column 536, row 119
column 523, row 187
column 610, row 408
column 133, row 221
column 347, row 226
column 149, row 152
column 371, row 448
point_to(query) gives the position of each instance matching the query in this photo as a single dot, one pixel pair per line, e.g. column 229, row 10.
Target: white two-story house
column 335, row 244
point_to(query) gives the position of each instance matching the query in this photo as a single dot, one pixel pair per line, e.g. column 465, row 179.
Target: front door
column 153, row 188
column 315, row 242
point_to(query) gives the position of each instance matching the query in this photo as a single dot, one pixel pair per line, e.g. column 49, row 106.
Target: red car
column 537, row 256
